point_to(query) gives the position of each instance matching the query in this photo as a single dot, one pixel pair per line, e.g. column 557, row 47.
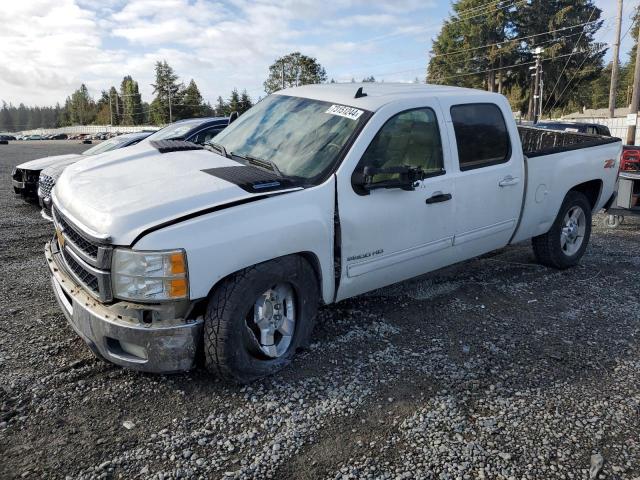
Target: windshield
column 302, row 137
column 105, row 146
column 173, row 131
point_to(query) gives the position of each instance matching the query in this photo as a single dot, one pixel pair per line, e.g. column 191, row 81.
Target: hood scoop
column 167, row 146
column 251, row 179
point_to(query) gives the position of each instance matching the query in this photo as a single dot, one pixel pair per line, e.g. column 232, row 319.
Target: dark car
column 26, row 175
column 7, row 137
column 59, row 136
column 196, row 130
column 590, row 128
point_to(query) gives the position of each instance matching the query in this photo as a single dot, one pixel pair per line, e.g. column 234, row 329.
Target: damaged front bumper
column 157, row 347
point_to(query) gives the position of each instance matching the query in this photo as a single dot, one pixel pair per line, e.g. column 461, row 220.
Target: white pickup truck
column 316, row 194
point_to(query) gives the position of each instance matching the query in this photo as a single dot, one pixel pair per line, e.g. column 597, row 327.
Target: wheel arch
column 591, row 189
column 310, row 257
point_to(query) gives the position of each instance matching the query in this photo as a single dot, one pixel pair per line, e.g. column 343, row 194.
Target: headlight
column 149, row 276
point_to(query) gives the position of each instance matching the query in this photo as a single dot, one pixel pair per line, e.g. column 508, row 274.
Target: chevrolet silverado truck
column 223, row 253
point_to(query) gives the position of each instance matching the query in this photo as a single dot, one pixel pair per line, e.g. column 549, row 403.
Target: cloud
column 52, row 46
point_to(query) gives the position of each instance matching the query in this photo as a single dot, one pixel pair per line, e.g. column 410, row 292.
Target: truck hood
column 124, row 192
column 42, row 163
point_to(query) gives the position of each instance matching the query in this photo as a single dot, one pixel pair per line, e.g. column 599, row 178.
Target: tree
column 370, row 79
column 131, row 102
column 6, row 119
column 221, row 108
column 293, row 70
column 491, row 46
column 245, row 102
column 191, row 102
column 572, row 57
column 473, row 45
column 234, row 102
column 165, row 88
column 81, row 109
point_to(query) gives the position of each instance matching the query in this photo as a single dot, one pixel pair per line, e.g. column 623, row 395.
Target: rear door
column 389, row 234
column 488, row 176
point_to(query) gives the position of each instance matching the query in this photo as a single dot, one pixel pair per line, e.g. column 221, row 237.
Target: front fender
column 223, row 242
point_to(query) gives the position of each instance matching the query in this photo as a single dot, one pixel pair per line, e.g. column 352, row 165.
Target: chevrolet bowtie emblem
column 60, row 237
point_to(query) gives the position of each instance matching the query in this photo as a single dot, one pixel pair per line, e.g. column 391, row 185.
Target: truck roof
column 377, row 94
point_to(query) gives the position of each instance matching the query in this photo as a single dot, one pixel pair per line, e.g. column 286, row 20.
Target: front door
column 390, row 234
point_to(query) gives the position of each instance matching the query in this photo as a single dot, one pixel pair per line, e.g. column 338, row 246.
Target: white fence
column 90, row 129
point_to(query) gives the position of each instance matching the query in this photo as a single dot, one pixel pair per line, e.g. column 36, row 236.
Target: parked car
column 34, row 137
column 7, row 137
column 49, row 175
column 59, row 136
column 196, row 130
column 25, row 176
column 314, row 195
column 590, row 128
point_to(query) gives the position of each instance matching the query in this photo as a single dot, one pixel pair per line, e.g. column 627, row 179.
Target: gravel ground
column 496, row 368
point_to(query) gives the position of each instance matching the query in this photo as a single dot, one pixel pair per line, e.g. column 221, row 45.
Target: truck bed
column 537, row 141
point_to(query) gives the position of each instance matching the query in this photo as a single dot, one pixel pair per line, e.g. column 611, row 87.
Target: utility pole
column 110, row 108
column 536, row 89
column 614, row 64
column 635, row 97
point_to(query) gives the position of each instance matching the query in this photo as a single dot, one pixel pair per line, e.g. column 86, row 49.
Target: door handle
column 438, row 197
column 509, row 181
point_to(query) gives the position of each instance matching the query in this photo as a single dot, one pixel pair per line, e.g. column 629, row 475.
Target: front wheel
column 566, row 241
column 257, row 318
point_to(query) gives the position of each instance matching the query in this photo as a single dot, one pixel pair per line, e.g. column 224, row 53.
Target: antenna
column 360, row 93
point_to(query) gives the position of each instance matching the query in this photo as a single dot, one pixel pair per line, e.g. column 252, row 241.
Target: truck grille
column 86, row 278
column 87, row 261
column 45, row 185
column 89, row 248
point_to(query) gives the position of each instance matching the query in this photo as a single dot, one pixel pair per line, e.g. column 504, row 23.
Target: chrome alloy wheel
column 573, row 229
column 274, row 315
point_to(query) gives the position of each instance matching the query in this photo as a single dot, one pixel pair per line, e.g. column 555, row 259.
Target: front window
column 302, row 137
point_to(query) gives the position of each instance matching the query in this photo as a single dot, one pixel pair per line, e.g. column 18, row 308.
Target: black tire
column 547, row 248
column 230, row 348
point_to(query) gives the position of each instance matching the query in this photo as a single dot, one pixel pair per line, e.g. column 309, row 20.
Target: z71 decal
column 344, row 111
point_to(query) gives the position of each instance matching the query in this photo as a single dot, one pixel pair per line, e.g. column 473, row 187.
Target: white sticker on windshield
column 343, row 111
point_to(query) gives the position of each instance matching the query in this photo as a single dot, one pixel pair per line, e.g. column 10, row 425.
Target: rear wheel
column 257, row 318
column 566, row 241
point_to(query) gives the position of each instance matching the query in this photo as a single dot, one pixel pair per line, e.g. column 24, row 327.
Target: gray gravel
column 496, row 368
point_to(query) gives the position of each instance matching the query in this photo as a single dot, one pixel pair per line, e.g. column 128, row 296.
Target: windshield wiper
column 216, row 147
column 261, row 162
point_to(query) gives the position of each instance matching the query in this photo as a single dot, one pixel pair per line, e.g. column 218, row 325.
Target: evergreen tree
column 234, row 102
column 572, row 56
column 221, row 108
column 6, row 119
column 297, row 69
column 245, row 102
column 166, row 89
column 192, row 103
column 131, row 102
column 370, row 79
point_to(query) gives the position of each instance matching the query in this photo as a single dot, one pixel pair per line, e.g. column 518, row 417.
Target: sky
column 50, row 47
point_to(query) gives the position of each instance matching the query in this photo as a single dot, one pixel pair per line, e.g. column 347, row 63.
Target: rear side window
column 481, row 135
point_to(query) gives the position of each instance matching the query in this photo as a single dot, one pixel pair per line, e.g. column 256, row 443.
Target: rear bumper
column 119, row 339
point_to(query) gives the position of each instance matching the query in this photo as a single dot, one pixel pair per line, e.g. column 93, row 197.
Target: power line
column 567, row 63
column 464, row 50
